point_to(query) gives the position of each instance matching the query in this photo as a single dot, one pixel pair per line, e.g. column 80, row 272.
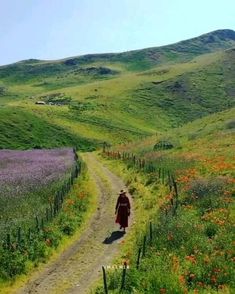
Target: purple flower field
column 28, row 179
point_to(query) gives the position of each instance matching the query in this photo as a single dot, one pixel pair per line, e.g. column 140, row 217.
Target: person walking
column 122, row 210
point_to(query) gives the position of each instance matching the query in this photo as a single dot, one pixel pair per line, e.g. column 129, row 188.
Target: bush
column 230, row 124
column 211, row 230
column 12, row 263
column 163, row 145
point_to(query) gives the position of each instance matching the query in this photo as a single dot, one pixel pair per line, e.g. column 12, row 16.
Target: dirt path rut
column 79, row 266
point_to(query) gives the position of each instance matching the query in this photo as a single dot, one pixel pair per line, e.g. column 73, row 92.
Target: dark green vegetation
column 115, row 97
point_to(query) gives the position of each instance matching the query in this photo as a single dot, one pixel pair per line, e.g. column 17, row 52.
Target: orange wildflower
column 70, row 202
column 182, row 279
column 231, row 180
column 213, row 279
column 201, row 284
column 169, row 196
column 81, row 195
column 191, row 258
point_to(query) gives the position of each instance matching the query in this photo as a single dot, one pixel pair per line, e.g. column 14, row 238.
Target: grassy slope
column 202, row 160
column 126, row 96
column 20, row 128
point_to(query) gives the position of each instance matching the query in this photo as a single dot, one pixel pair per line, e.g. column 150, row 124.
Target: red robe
column 123, row 207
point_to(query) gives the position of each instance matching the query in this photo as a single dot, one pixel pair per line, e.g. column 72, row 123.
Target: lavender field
column 28, row 181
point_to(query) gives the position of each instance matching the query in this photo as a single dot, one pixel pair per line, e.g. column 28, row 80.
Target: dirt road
column 79, row 266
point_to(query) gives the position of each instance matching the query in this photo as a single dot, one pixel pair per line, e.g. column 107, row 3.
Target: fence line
column 18, row 236
column 166, row 177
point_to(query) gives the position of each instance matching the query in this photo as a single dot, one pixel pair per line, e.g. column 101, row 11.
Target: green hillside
column 184, row 203
column 116, row 97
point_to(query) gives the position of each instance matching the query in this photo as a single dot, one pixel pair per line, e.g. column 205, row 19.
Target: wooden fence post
column 29, row 234
column 144, row 246
column 37, row 224
column 8, row 241
column 123, row 276
column 42, row 223
column 151, row 231
column 47, row 214
column 138, row 258
column 105, row 281
column 163, row 175
column 19, row 236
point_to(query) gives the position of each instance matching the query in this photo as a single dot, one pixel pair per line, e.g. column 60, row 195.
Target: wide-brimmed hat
column 122, row 192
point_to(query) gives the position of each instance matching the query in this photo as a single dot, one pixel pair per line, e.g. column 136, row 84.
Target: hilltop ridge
column 218, row 39
column 116, row 97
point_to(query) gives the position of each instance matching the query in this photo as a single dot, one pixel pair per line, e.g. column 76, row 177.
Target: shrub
column 163, row 145
column 211, row 230
column 206, row 193
column 230, row 124
column 12, row 263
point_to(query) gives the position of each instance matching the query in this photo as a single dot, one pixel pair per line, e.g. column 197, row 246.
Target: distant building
column 40, row 102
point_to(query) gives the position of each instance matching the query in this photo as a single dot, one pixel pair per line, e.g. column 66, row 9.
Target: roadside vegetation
column 165, row 118
column 26, row 247
column 191, row 245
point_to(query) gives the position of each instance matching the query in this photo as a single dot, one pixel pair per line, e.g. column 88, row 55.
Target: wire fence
column 17, row 237
column 165, row 177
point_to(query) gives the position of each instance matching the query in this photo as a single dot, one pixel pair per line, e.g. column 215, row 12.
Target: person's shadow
column 113, row 237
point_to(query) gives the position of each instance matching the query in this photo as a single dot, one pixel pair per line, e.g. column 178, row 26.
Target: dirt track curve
column 79, row 266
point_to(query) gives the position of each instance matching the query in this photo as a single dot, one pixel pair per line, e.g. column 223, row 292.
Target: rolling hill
column 116, row 97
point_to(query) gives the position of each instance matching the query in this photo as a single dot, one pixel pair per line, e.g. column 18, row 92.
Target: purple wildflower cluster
column 28, row 179
column 27, row 171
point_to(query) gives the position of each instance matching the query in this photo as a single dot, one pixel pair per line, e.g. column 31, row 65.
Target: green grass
column 182, row 93
column 24, row 130
column 192, row 249
column 124, row 96
column 20, row 259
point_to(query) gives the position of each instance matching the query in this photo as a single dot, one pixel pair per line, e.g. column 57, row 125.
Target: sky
column 54, row 29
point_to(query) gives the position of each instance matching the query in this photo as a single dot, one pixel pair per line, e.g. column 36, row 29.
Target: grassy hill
column 183, row 94
column 191, row 213
column 116, row 97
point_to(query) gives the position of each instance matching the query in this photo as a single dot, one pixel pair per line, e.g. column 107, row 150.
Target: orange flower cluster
column 231, row 180
column 188, row 175
column 218, row 164
column 70, row 202
column 191, row 258
column 201, row 284
column 183, row 179
column 213, row 279
column 81, row 195
column 227, row 193
column 219, row 216
column 222, row 166
column 182, row 280
column 169, row 196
